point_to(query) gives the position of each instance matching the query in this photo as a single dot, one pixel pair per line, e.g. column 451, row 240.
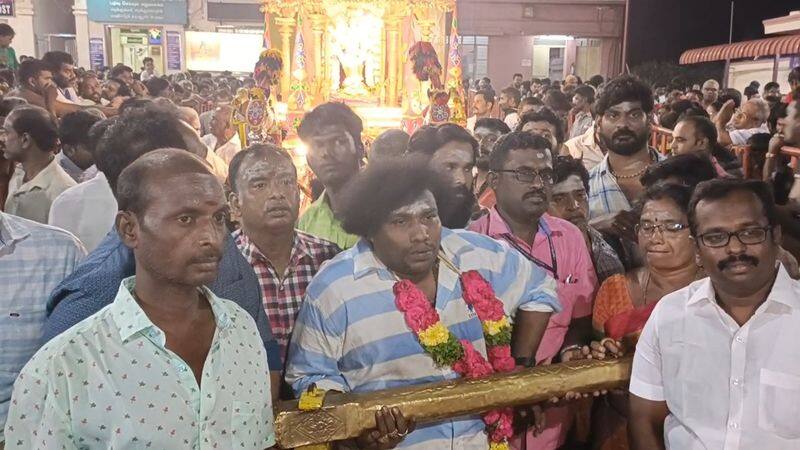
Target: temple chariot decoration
column 381, row 57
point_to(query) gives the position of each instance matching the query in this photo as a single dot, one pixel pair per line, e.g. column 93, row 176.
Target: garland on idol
column 447, row 350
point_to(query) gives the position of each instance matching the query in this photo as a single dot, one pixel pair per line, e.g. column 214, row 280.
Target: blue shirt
column 111, row 382
column 605, row 195
column 34, row 258
column 350, row 336
column 95, row 282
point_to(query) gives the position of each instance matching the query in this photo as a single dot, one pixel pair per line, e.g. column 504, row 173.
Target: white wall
column 743, row 72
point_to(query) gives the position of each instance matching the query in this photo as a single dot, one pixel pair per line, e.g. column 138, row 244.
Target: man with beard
column 482, row 106
column 623, row 124
column 114, row 88
column 89, row 89
column 487, row 132
column 451, row 152
column 708, row 370
column 332, row 133
column 522, row 177
column 61, row 98
column 265, row 197
column 509, row 103
column 570, row 201
column 162, row 365
column 33, row 79
column 353, row 331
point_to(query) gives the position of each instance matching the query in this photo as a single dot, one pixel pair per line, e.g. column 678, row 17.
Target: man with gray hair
column 734, row 127
column 710, row 92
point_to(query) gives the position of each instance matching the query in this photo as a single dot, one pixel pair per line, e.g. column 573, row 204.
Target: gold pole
column 392, row 23
column 346, row 416
column 318, row 22
column 286, row 27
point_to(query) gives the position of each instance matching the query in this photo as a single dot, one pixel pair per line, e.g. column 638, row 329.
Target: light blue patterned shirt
column 34, row 258
column 350, row 336
column 111, row 382
column 605, row 195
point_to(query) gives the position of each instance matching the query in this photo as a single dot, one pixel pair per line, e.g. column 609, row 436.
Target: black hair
column 750, row 91
column 557, row 100
column 8, row 104
column 493, row 124
column 134, row 180
column 135, row 132
column 680, row 194
column 533, row 101
column 728, row 94
column 124, row 90
column 6, row 30
column 770, row 85
column 75, row 126
column 487, row 94
column 333, row 114
column 383, row 187
column 427, row 140
column 721, row 188
column 135, row 103
column 260, row 151
column 596, row 81
column 30, row 69
column 37, row 123
column 566, row 166
column 625, row 88
column 685, row 108
column 55, row 59
column 390, row 143
column 586, row 92
column 759, row 142
column 514, row 141
column 147, row 59
column 778, row 111
column 514, row 93
column 118, row 70
column 156, row 86
column 517, row 75
column 543, row 115
column 96, row 133
column 691, row 169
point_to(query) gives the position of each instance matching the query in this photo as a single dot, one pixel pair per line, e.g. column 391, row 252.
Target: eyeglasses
column 748, row 236
column 648, row 229
column 529, row 176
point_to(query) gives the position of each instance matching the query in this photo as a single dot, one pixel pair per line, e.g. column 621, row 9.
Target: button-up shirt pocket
column 251, row 425
column 779, row 403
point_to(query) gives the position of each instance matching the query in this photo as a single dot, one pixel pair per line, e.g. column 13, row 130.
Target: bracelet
column 771, row 155
column 568, row 349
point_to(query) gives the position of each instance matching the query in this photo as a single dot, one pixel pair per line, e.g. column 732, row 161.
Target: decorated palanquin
column 381, row 57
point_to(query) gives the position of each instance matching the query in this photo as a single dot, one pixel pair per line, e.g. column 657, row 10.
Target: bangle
column 771, row 155
column 568, row 349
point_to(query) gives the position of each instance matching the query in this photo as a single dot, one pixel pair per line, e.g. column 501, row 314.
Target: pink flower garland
column 424, row 321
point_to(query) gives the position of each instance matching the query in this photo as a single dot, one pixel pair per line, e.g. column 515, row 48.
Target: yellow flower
column 492, row 327
column 498, row 446
column 434, row 335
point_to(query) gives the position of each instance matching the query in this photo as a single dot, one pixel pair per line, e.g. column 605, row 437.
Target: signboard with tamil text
column 151, row 12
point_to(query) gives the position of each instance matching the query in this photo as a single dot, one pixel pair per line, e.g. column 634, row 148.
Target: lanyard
column 552, row 269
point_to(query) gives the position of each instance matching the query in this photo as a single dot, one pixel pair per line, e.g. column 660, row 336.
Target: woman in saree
column 624, row 302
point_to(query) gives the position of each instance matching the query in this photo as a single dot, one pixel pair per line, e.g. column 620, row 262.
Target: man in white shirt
column 736, row 127
column 717, row 365
column 223, row 139
column 149, row 70
column 31, row 137
column 482, row 106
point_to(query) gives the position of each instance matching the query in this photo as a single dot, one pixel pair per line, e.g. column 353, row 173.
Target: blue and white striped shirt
column 351, row 337
column 34, row 258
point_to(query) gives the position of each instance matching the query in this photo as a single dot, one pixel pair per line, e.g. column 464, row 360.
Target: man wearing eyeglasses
column 521, row 174
column 736, row 127
column 717, row 364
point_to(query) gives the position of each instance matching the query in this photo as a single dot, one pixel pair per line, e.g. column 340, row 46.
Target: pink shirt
column 576, row 285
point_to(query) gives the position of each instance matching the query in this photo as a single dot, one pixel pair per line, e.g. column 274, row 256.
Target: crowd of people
column 161, row 286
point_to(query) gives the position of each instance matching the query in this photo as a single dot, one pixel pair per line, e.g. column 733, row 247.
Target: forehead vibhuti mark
column 423, row 203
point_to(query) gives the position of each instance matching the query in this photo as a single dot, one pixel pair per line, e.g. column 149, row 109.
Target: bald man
column 735, row 127
column 223, row 139
column 164, row 333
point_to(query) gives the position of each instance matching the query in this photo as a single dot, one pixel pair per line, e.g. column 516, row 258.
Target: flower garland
column 447, row 350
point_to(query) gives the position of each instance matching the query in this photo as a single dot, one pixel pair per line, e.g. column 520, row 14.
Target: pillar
column 81, row 33
column 318, row 22
column 392, row 25
column 286, row 27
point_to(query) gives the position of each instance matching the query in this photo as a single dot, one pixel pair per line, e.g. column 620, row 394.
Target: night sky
column 663, row 29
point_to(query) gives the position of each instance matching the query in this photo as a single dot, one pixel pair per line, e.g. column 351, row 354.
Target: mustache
column 722, row 265
column 623, row 132
column 534, row 193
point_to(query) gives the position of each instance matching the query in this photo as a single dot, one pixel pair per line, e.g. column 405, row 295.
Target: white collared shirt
column 726, row 387
column 225, row 151
column 32, row 199
column 87, row 210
